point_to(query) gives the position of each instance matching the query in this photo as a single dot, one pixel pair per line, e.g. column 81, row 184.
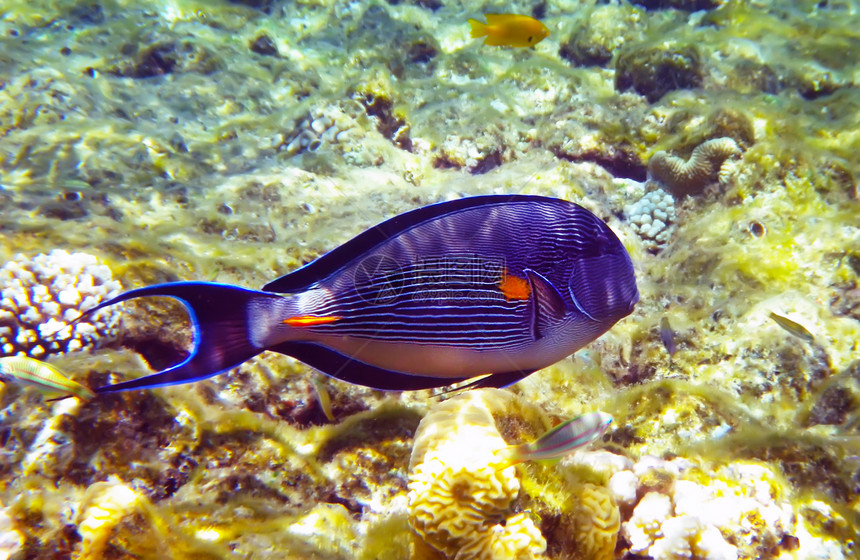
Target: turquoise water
column 234, row 142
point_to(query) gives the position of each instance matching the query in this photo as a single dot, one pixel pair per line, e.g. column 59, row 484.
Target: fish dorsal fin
column 548, row 307
column 496, row 19
column 357, row 247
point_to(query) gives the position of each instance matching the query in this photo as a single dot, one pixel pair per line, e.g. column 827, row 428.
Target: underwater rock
column 732, row 123
column 10, row 539
column 655, row 71
column 390, row 125
column 102, row 508
column 581, row 50
column 706, row 164
column 167, row 57
column 40, row 296
column 325, row 126
column 263, row 45
column 594, row 42
column 459, row 493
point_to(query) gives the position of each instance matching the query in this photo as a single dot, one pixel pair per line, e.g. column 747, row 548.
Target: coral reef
column 705, row 165
column 235, row 141
column 43, row 294
column 654, row 72
column 597, row 522
column 459, row 494
column 652, row 216
column 733, row 513
column 329, row 125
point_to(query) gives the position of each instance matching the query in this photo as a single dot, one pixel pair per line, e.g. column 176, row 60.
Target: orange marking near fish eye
column 514, row 287
column 310, row 320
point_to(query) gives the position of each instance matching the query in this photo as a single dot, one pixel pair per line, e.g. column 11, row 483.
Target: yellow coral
column 459, row 494
column 688, row 177
column 102, row 508
column 597, row 522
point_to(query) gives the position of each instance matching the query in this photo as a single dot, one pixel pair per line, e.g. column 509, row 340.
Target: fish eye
column 530, row 39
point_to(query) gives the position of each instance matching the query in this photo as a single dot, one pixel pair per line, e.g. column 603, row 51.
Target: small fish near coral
column 45, row 377
column 667, row 335
column 502, row 285
column 565, row 438
column 509, row 30
column 792, row 327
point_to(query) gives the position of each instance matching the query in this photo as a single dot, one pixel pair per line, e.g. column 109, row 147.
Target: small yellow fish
column 45, row 377
column 510, row 30
column 796, row 329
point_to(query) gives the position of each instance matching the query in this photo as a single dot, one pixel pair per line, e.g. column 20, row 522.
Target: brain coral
column 459, row 493
column 691, row 176
column 40, row 296
column 597, row 522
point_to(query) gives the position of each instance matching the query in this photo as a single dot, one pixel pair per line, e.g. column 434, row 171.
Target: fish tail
column 223, row 320
column 479, row 29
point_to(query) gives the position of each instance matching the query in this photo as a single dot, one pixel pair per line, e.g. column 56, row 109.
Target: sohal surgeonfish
column 494, row 287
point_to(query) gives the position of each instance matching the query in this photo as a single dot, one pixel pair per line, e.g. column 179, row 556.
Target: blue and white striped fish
column 498, row 285
column 565, row 438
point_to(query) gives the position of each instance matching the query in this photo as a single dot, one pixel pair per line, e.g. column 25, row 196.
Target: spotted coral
column 41, row 295
column 459, row 493
column 652, row 217
column 705, row 164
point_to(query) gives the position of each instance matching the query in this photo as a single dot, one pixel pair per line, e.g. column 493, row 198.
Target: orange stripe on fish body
column 510, row 30
column 514, row 287
column 309, row 320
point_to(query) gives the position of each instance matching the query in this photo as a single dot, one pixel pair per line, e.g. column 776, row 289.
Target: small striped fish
column 792, row 327
column 494, row 286
column 45, row 377
column 561, row 440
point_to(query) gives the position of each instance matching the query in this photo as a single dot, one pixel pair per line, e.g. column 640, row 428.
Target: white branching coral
column 734, row 515
column 40, row 296
column 691, row 176
column 459, row 492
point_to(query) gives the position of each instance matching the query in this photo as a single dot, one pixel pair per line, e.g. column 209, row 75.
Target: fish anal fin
column 548, row 306
column 495, row 40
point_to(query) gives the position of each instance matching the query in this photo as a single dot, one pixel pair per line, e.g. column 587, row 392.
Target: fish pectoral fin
column 548, row 307
column 497, row 380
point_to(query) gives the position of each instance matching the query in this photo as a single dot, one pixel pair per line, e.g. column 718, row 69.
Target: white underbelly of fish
column 448, row 361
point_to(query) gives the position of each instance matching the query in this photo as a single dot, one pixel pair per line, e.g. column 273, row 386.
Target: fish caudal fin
column 220, row 317
column 479, row 29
